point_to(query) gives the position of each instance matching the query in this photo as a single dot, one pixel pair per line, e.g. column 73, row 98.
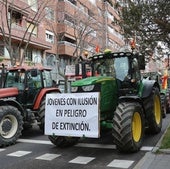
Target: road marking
column 86, row 145
column 34, row 141
column 48, row 156
column 82, row 160
column 120, row 163
column 2, row 149
column 146, row 148
column 19, row 153
column 102, row 146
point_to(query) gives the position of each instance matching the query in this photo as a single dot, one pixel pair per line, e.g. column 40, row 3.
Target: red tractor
column 22, row 100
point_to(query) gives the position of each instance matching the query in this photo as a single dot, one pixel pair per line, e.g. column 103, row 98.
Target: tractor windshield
column 15, row 79
column 117, row 67
column 121, row 66
column 104, row 67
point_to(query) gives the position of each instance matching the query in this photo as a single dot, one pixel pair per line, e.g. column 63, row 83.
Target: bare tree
column 32, row 19
column 86, row 30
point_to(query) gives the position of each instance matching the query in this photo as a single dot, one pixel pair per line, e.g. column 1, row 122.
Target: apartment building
column 60, row 29
column 19, row 20
column 100, row 22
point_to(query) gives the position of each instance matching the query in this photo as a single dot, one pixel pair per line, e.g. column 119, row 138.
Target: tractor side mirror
column 34, row 72
column 141, row 61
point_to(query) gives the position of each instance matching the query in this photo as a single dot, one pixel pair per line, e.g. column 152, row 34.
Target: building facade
column 56, row 32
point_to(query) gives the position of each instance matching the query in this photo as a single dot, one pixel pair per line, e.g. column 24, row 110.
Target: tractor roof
column 111, row 55
column 26, row 68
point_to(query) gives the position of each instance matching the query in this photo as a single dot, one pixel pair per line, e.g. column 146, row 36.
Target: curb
column 149, row 157
column 157, row 147
column 164, row 151
column 146, row 161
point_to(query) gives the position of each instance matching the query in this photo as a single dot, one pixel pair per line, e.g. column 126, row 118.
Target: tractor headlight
column 88, row 88
column 74, row 89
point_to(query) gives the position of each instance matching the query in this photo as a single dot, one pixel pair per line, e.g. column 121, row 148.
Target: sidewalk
column 156, row 159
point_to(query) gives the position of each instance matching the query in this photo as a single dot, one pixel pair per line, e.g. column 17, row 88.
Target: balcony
column 66, row 48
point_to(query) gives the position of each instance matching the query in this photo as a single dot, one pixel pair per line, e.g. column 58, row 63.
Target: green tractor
column 164, row 89
column 129, row 104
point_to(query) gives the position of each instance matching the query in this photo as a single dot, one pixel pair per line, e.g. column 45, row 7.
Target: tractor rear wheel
column 11, row 125
column 62, row 141
column 128, row 127
column 154, row 112
column 164, row 105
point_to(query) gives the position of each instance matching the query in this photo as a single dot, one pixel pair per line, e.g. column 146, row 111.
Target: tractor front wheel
column 11, row 125
column 128, row 127
column 62, row 141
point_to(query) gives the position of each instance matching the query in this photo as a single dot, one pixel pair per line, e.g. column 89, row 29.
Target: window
column 33, row 4
column 34, row 81
column 110, row 29
column 49, row 36
column 29, row 54
column 92, row 32
column 47, row 79
column 69, row 18
column 15, row 79
column 110, row 16
column 135, row 68
column 62, row 39
column 15, row 17
column 1, row 50
column 82, row 8
column 73, row 1
column 32, row 28
column 90, row 13
column 49, row 13
column 121, row 66
column 93, row 1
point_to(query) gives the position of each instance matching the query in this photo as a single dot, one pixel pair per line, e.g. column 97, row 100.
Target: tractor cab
column 29, row 81
column 124, row 67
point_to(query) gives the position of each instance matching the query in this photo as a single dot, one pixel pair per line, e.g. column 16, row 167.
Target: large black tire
column 167, row 107
column 167, row 103
column 164, row 105
column 62, row 141
column 41, row 115
column 154, row 112
column 128, row 127
column 11, row 125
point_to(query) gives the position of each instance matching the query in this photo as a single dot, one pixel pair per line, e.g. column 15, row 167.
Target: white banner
column 72, row 114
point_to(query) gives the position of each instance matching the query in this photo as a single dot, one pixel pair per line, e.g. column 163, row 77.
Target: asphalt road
column 34, row 151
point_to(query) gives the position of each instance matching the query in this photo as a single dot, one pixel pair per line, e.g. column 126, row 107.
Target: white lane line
column 108, row 146
column 19, row 153
column 48, row 156
column 120, row 163
column 2, row 149
column 87, row 145
column 146, row 148
column 81, row 160
column 34, row 141
column 102, row 146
